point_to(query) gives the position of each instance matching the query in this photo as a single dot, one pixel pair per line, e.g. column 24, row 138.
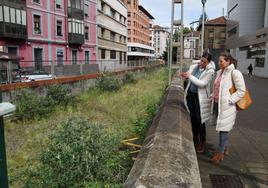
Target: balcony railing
column 9, row 30
column 75, row 13
column 76, row 39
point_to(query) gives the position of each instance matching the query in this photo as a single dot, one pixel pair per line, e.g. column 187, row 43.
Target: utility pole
column 175, row 44
column 203, row 26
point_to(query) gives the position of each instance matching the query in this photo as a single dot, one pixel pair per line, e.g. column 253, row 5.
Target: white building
column 191, row 41
column 112, row 34
column 160, row 40
column 247, row 30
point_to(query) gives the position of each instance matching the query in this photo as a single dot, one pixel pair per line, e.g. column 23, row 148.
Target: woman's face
column 222, row 63
column 204, row 62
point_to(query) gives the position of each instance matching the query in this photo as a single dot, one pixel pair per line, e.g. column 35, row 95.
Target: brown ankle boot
column 217, row 158
column 226, row 150
column 201, row 147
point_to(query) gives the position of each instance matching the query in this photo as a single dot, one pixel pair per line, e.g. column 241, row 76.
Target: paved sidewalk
column 248, row 159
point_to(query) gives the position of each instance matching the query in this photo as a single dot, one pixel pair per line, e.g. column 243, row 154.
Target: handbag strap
column 232, row 77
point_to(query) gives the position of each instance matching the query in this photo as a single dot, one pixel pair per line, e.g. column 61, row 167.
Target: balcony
column 76, row 39
column 75, row 13
column 16, row 31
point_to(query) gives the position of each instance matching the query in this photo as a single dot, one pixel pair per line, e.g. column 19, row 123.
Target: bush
column 30, row 105
column 109, row 83
column 129, row 78
column 78, row 153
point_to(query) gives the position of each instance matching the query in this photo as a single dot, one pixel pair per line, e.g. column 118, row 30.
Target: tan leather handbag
column 243, row 103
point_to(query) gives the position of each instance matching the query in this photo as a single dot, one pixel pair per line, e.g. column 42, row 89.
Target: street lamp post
column 203, row 26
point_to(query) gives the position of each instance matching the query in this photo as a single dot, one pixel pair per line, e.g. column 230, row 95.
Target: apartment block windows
column 113, row 54
column 58, row 4
column 87, row 57
column 86, row 10
column 102, row 33
column 86, row 32
column 75, row 4
column 113, row 13
column 37, row 24
column 59, row 28
column 60, row 57
column 103, row 54
column 112, row 36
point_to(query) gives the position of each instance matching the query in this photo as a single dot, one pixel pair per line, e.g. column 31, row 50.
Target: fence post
column 81, row 68
column 3, row 162
column 52, row 68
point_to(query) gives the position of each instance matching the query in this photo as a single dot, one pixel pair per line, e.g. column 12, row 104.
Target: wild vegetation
column 80, row 145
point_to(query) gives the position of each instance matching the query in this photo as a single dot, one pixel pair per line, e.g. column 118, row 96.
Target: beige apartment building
column 140, row 38
column 112, row 34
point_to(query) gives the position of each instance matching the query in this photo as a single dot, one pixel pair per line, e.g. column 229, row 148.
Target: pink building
column 45, row 31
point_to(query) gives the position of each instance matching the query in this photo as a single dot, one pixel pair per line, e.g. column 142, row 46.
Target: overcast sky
column 161, row 10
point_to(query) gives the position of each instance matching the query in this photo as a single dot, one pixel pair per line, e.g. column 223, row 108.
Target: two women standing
column 200, row 100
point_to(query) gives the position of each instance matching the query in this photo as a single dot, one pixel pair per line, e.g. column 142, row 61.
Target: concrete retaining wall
column 167, row 158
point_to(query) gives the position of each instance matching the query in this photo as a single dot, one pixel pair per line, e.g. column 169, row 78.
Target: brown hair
column 228, row 57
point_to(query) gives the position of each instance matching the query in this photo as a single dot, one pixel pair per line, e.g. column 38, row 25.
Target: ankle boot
column 217, row 158
column 226, row 150
column 201, row 147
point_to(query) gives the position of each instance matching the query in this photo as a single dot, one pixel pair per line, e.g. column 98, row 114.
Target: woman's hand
column 187, row 75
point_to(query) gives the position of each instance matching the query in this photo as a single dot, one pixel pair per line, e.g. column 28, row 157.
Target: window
column 102, row 6
column 113, row 54
column 103, row 54
column 86, row 57
column 75, row 26
column 12, row 15
column 74, row 56
column 58, row 4
column 112, row 36
column 36, row 1
column 232, row 32
column 37, row 24
column 222, row 34
column 60, row 57
column 1, row 14
column 86, row 10
column 12, row 50
column 23, row 15
column 102, row 32
column 113, row 13
column 59, row 28
column 86, row 33
column 6, row 14
column 18, row 16
column 260, row 62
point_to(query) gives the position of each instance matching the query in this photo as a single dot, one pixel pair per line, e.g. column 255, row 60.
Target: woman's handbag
column 243, row 103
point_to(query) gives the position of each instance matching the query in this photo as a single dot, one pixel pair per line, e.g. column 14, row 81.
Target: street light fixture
column 203, row 26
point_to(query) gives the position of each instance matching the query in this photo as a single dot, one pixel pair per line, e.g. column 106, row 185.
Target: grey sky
column 161, row 10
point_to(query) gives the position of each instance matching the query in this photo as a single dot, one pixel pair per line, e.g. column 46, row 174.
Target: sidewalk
column 247, row 162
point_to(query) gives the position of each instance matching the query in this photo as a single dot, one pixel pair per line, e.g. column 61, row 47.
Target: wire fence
column 14, row 71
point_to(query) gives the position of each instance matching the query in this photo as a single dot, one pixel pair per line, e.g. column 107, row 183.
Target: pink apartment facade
column 46, row 31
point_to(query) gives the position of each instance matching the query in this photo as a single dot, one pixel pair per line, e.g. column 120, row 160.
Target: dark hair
column 228, row 57
column 207, row 56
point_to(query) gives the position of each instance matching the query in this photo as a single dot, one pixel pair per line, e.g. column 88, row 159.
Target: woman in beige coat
column 224, row 102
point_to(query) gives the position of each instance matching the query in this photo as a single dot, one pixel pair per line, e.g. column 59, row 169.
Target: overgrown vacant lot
column 80, row 146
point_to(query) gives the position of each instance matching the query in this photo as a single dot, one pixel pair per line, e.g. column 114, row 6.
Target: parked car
column 26, row 76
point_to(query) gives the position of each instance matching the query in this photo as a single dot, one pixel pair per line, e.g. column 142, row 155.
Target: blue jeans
column 223, row 141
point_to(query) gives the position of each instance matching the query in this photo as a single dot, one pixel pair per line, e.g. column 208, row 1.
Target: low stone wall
column 167, row 158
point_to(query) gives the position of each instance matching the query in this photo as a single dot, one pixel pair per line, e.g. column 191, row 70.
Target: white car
column 35, row 76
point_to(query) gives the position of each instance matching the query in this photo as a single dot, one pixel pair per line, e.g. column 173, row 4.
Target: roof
column 7, row 56
column 221, row 21
column 146, row 12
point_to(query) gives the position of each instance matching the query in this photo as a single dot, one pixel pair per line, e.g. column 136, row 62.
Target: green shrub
column 129, row 78
column 77, row 153
column 109, row 83
column 30, row 105
column 60, row 95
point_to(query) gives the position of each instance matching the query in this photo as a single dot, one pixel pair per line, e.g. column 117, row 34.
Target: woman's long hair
column 228, row 57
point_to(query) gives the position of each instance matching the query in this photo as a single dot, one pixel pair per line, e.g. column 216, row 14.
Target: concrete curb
column 167, row 158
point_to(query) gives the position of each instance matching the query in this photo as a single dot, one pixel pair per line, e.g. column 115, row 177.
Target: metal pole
column 171, row 42
column 182, row 42
column 192, row 47
column 203, row 29
column 3, row 162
